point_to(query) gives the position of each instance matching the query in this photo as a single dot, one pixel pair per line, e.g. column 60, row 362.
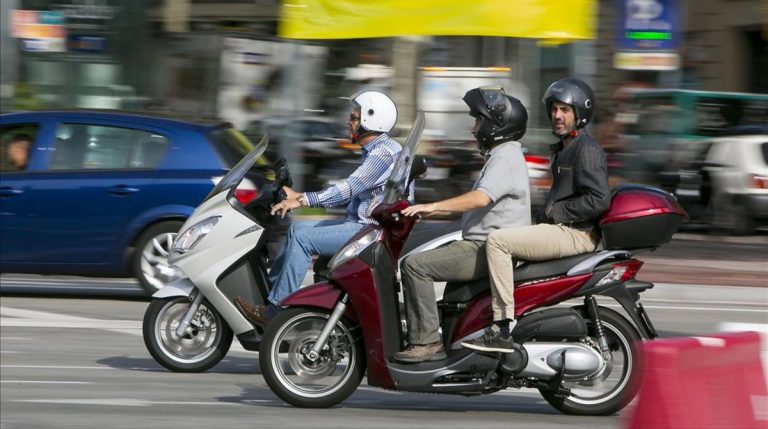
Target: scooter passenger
column 568, row 219
column 500, row 198
column 373, row 115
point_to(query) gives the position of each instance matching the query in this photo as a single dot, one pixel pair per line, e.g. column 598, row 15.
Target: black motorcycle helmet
column 575, row 93
column 504, row 117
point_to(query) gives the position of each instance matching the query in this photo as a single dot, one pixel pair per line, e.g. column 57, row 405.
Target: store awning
column 349, row 19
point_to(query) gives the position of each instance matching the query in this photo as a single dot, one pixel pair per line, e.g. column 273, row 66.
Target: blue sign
column 649, row 25
column 50, row 17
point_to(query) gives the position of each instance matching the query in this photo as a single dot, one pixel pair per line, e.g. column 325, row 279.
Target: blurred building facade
column 166, row 54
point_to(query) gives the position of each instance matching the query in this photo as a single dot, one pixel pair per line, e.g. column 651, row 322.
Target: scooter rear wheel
column 610, row 390
column 206, row 342
column 300, row 381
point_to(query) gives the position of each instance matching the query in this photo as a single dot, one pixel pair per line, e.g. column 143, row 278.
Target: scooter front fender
column 180, row 287
column 319, row 295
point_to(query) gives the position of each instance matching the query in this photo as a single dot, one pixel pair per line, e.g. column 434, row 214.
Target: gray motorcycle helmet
column 575, row 93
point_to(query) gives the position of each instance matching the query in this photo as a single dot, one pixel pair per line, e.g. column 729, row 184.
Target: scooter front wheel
column 311, row 383
column 205, row 343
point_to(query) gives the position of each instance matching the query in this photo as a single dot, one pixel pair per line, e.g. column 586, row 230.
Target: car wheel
column 150, row 261
column 734, row 218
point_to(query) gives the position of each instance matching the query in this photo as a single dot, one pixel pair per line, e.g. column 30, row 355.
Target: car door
column 16, row 203
column 96, row 180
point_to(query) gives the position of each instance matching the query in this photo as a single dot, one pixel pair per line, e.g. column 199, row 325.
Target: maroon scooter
column 582, row 358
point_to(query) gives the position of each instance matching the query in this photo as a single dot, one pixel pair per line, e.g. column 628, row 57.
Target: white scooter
column 222, row 249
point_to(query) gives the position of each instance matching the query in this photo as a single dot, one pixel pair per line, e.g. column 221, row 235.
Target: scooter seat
column 462, row 292
column 536, row 270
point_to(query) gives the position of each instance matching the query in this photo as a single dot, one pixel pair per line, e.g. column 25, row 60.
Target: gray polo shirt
column 504, row 179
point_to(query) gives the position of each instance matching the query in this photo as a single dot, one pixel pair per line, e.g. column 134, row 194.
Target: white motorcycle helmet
column 377, row 112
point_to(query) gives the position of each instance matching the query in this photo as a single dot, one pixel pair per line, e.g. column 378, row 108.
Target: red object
column 245, row 196
column 634, row 202
column 537, row 160
column 704, row 382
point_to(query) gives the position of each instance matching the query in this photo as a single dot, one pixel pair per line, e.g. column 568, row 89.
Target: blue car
column 102, row 193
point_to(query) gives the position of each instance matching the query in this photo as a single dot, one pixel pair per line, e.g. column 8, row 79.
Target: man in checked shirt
column 373, row 115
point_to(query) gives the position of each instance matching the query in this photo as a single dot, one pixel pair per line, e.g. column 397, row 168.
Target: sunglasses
column 353, row 118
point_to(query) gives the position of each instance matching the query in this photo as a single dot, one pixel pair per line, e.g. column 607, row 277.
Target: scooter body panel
column 233, row 236
column 180, row 287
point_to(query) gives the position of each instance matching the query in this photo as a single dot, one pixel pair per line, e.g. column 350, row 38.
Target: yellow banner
column 351, row 19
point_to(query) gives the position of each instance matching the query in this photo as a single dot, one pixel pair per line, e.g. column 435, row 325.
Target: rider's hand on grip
column 280, row 195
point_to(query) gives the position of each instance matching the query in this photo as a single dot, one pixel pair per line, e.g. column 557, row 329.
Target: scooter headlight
column 189, row 238
column 353, row 249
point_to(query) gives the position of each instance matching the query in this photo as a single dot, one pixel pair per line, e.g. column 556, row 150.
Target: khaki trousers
column 505, row 247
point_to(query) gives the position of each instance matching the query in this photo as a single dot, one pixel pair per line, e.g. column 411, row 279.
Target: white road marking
column 13, row 339
column 738, row 310
column 44, row 382
column 42, row 319
column 132, row 402
column 56, row 367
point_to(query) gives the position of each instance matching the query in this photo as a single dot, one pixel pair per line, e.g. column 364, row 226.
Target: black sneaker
column 491, row 341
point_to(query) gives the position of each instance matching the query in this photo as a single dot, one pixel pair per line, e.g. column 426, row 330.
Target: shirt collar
column 495, row 148
column 371, row 144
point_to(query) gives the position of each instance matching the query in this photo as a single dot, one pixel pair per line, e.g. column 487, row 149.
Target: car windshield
column 397, row 184
column 764, row 150
column 236, row 174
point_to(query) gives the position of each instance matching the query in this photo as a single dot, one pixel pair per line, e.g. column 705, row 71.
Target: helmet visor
column 486, row 101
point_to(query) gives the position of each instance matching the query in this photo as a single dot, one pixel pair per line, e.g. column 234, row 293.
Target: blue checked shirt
column 359, row 189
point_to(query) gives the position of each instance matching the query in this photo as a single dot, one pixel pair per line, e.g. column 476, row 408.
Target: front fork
column 196, row 299
column 338, row 310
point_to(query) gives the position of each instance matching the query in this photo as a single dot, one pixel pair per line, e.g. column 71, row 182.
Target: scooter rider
column 568, row 219
column 500, row 198
column 372, row 116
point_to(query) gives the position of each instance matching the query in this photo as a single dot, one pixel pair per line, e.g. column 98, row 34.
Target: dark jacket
column 580, row 192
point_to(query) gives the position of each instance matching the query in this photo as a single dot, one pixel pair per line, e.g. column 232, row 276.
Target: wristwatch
column 302, row 199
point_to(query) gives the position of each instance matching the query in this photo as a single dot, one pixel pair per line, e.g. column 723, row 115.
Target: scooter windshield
column 236, row 174
column 397, row 184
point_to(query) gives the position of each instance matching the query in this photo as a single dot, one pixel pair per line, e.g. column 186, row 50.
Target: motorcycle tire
column 623, row 339
column 295, row 378
column 205, row 344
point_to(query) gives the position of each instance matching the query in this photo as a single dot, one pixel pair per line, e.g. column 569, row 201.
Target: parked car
column 724, row 183
column 104, row 193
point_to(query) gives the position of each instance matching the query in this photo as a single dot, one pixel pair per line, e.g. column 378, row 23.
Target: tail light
column 245, row 196
column 757, row 182
column 246, row 191
column 621, row 272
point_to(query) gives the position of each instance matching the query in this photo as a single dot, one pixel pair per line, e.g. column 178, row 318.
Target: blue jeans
column 306, row 238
